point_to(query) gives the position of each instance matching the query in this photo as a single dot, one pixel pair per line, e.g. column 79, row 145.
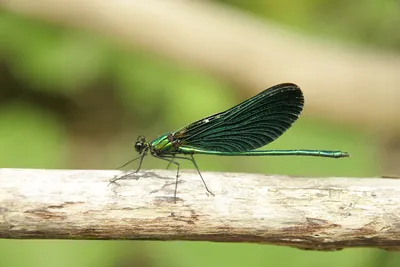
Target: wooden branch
column 239, row 47
column 309, row 213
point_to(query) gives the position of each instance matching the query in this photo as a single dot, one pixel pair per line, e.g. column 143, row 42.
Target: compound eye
column 140, row 143
column 138, row 146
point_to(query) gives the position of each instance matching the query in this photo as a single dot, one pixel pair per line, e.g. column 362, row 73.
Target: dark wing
column 249, row 125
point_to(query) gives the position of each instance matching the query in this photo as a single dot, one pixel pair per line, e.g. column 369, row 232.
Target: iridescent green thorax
column 164, row 144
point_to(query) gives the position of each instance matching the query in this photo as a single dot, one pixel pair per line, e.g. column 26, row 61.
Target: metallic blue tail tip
column 343, row 155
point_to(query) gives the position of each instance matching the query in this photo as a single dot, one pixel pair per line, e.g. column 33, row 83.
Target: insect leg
column 132, row 160
column 141, row 161
column 170, row 159
column 198, row 170
column 194, row 163
column 126, row 176
column 169, row 164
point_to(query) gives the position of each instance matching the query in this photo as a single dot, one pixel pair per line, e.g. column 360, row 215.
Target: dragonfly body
column 238, row 131
column 167, row 145
column 292, row 152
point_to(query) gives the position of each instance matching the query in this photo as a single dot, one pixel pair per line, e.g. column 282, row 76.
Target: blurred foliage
column 371, row 22
column 69, row 99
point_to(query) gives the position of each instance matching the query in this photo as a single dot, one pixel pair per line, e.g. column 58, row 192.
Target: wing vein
column 248, row 125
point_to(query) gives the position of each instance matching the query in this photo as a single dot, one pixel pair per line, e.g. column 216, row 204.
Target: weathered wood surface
column 309, row 213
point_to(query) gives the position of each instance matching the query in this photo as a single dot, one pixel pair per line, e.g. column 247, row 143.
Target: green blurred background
column 73, row 99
